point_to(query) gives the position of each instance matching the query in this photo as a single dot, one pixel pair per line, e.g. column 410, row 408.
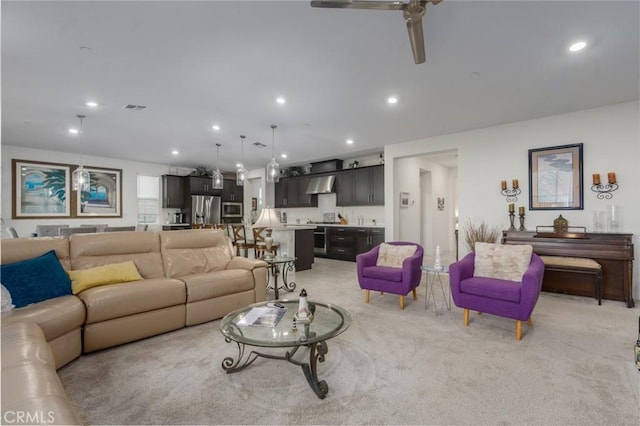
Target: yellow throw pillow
column 392, row 256
column 84, row 279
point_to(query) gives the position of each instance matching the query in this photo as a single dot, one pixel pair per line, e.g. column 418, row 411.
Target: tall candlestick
column 512, row 207
column 503, row 185
column 521, row 210
column 611, row 177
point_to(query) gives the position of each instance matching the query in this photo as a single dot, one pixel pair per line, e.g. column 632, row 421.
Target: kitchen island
column 297, row 241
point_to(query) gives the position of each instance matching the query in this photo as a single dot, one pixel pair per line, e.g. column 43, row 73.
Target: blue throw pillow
column 34, row 280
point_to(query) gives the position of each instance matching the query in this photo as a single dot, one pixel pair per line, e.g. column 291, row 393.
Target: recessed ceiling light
column 349, row 141
column 238, row 165
column 215, row 127
column 281, row 100
column 392, row 100
column 91, row 104
column 283, row 155
column 577, row 46
column 175, row 152
column 74, row 131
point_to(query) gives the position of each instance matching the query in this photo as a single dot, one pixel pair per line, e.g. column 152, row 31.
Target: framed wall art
column 404, row 199
column 104, row 198
column 555, row 178
column 40, row 190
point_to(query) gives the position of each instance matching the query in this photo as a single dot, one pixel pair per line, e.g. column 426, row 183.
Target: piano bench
column 576, row 265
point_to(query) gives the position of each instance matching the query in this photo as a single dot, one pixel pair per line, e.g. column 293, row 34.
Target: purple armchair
column 398, row 281
column 504, row 298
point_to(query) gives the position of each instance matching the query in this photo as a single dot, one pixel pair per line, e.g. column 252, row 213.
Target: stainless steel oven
column 320, row 241
column 230, row 210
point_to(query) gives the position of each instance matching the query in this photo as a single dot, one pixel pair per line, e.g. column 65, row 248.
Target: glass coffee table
column 246, row 326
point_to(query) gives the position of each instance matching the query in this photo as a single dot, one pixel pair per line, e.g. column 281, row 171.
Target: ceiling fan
column 413, row 11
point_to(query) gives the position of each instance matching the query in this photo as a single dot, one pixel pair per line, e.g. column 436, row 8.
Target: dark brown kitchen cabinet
column 340, row 243
column 345, row 188
column 360, row 187
column 231, row 191
column 345, row 243
column 200, row 185
column 367, row 238
column 173, row 191
column 292, row 192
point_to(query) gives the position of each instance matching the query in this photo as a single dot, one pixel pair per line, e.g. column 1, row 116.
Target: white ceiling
column 194, row 64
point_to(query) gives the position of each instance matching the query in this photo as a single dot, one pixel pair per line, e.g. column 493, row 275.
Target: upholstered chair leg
column 530, row 322
column 401, row 302
column 366, row 296
column 518, row 330
column 381, row 293
column 466, row 317
column 415, row 294
column 479, row 313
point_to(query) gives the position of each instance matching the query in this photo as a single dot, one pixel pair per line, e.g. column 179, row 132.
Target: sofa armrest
column 461, row 270
column 365, row 259
column 411, row 268
column 239, row 262
column 532, row 284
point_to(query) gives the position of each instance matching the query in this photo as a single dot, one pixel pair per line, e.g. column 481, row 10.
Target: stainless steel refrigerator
column 205, row 209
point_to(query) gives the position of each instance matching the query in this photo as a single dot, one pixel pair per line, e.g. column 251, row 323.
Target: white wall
column 130, row 171
column 425, row 181
column 611, row 138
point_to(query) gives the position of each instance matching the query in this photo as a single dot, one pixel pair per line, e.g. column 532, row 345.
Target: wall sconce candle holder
column 512, row 193
column 604, row 191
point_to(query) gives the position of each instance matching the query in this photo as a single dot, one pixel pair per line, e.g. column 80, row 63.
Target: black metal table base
column 317, row 351
column 286, row 285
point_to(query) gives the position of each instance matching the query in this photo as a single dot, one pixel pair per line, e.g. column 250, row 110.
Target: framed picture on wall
column 404, row 199
column 104, row 198
column 555, row 178
column 40, row 190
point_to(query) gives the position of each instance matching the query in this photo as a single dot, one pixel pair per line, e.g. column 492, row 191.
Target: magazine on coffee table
column 263, row 316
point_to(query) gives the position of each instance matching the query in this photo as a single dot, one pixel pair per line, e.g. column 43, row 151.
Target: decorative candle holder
column 512, row 217
column 512, row 193
column 604, row 192
column 522, row 228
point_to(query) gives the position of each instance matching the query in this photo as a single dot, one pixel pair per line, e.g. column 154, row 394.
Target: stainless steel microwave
column 231, row 209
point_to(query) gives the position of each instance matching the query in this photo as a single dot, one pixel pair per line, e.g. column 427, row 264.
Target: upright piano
column 613, row 251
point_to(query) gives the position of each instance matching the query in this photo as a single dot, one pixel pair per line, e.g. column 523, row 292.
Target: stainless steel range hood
column 321, row 185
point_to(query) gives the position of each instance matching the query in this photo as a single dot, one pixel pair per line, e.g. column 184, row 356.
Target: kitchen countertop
column 333, row 225
column 293, row 227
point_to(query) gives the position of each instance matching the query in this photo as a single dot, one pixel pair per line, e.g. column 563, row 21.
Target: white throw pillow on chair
column 502, row 261
column 392, row 256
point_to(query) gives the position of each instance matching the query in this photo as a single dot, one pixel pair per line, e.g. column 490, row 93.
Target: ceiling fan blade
column 357, row 4
column 416, row 37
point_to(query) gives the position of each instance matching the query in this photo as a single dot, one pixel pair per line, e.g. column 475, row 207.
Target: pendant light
column 273, row 168
column 241, row 172
column 217, row 178
column 80, row 176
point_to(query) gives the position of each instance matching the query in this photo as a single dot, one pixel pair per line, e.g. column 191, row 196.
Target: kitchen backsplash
column 327, row 204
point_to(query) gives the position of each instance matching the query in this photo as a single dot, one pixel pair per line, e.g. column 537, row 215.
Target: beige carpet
column 575, row 366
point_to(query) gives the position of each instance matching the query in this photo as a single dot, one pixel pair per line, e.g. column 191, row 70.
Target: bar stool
column 240, row 240
column 261, row 246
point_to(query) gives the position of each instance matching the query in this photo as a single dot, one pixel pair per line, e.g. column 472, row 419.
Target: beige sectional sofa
column 189, row 277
